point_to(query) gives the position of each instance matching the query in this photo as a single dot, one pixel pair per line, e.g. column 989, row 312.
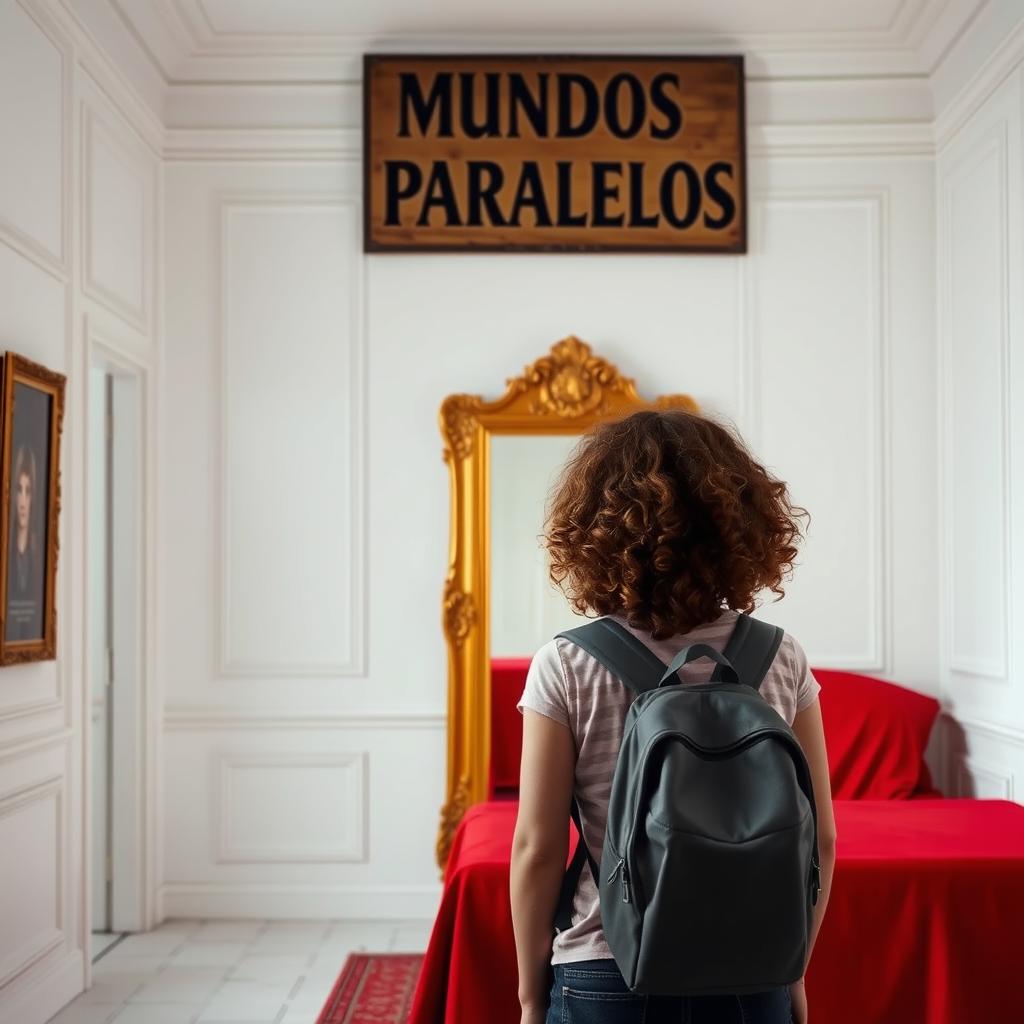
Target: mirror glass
column 527, row 609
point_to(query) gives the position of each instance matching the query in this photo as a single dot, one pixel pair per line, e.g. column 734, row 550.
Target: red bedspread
column 922, row 926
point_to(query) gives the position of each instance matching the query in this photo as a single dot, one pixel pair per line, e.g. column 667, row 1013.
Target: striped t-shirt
column 567, row 684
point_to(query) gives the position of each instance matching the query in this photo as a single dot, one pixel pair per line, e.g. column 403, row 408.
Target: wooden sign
column 554, row 153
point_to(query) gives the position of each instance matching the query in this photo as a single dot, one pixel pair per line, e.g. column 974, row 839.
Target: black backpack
column 710, row 870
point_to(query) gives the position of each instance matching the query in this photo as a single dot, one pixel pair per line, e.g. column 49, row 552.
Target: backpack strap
column 631, row 661
column 563, row 910
column 750, row 650
column 626, row 656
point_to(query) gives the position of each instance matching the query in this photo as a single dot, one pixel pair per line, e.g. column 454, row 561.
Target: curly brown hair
column 665, row 517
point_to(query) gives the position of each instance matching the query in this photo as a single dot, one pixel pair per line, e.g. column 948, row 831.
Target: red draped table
column 923, row 923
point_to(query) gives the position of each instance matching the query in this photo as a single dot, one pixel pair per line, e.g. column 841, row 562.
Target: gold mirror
column 503, row 456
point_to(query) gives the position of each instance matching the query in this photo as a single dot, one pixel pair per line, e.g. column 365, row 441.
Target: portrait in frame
column 32, row 421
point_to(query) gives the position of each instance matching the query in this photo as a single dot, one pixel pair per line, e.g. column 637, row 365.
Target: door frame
column 134, row 888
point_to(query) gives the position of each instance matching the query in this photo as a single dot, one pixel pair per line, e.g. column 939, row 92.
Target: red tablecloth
column 923, row 923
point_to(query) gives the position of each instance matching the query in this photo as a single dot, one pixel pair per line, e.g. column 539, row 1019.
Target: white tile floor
column 231, row 972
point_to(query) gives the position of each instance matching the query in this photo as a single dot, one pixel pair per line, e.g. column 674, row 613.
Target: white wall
column 980, row 213
column 78, row 205
column 292, row 715
column 302, row 476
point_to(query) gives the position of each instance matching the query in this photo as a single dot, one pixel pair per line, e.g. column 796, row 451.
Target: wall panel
column 118, row 212
column 291, row 525
column 34, row 173
column 980, row 215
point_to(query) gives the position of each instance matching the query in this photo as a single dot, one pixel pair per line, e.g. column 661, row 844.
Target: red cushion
column 508, row 677
column 876, row 733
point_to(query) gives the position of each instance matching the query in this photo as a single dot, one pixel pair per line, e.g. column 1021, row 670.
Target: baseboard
column 299, row 902
column 35, row 1001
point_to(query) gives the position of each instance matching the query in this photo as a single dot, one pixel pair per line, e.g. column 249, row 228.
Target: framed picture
column 32, row 415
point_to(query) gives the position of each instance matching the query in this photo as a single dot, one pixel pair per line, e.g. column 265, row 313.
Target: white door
column 99, row 662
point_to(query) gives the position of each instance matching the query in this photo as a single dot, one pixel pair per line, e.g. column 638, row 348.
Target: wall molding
column 316, row 145
column 877, row 655
column 299, row 901
column 125, row 94
column 188, row 718
column 969, row 770
column 832, row 140
column 184, row 45
column 94, row 128
column 913, row 53
column 306, row 145
column 34, row 707
column 31, row 744
column 993, row 730
column 40, row 995
column 354, row 764
column 987, row 79
column 58, row 264
column 39, row 946
column 228, row 664
column 994, row 139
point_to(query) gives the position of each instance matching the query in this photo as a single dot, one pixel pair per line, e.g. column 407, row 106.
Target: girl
column 664, row 521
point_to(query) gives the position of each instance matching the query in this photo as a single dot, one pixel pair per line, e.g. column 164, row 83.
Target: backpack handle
column 691, row 652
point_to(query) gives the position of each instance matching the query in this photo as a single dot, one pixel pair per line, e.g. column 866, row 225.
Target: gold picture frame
column 30, row 509
column 565, row 392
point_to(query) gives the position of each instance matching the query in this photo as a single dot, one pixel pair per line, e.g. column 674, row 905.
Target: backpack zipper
column 746, row 741
column 624, row 868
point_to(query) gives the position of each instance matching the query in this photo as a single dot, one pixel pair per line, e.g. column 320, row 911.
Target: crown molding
column 971, row 95
column 103, row 39
column 177, row 41
column 822, row 59
column 193, row 92
column 901, row 139
column 138, row 102
column 183, row 45
column 290, row 108
column 310, row 145
column 866, row 139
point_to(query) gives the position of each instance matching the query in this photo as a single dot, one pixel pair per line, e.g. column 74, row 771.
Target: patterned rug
column 373, row 988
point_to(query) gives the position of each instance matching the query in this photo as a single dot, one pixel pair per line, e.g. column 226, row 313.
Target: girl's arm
column 810, row 731
column 540, row 849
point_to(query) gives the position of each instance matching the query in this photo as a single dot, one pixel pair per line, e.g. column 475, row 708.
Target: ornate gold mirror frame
column 564, row 392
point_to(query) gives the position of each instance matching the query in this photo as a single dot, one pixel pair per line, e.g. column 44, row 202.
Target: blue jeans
column 594, row 992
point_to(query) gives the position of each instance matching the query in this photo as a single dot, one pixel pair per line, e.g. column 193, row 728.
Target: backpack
column 710, row 871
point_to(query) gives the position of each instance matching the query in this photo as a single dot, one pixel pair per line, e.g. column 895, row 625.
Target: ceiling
column 194, row 41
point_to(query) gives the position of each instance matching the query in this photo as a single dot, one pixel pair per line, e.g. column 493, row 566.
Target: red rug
column 373, row 988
